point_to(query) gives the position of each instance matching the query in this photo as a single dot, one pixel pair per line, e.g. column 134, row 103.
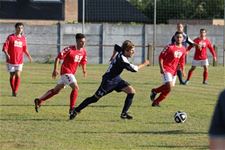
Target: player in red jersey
column 169, row 59
column 72, row 57
column 14, row 47
column 200, row 56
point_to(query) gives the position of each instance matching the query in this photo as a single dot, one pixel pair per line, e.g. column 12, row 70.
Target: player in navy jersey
column 185, row 42
column 217, row 128
column 111, row 80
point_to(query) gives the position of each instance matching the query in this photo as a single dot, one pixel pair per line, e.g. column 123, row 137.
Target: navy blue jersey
column 119, row 63
column 217, row 127
column 186, row 40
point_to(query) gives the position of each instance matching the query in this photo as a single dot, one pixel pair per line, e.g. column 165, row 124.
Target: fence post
column 59, row 37
column 150, row 54
column 216, row 50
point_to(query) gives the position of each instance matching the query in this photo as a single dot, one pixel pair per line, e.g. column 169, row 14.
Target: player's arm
column 28, row 55
column 5, row 49
column 55, row 70
column 161, row 57
column 83, row 63
column 116, row 50
column 212, row 50
column 145, row 63
column 192, row 43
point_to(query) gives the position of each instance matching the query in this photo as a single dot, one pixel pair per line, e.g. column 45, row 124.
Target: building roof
column 110, row 11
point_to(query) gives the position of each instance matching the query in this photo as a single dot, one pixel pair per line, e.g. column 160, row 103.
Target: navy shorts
column 109, row 85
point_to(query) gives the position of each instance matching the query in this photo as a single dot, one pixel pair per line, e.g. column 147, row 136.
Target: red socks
column 47, row 95
column 73, row 98
column 189, row 75
column 205, row 76
column 14, row 83
column 164, row 90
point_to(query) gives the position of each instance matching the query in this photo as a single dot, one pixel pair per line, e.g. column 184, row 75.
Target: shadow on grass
column 176, row 146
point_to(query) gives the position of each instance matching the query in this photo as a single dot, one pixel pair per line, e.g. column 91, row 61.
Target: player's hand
column 198, row 46
column 30, row 59
column 7, row 57
column 146, row 62
column 214, row 58
column 161, row 70
column 54, row 74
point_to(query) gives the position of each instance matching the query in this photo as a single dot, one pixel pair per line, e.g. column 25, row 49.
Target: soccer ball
column 180, row 117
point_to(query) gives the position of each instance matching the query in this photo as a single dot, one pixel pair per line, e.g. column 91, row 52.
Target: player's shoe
column 126, row 116
column 205, row 82
column 73, row 114
column 186, row 82
column 155, row 105
column 14, row 94
column 37, row 104
column 153, row 95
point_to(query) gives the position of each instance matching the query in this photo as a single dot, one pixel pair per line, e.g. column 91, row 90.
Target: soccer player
column 72, row 57
column 14, row 48
column 111, row 80
column 186, row 41
column 200, row 56
column 169, row 59
column 217, row 128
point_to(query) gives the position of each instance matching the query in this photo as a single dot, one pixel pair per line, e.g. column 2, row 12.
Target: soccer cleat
column 153, row 95
column 37, row 105
column 126, row 116
column 155, row 105
column 205, row 82
column 186, row 82
column 73, row 114
column 14, row 94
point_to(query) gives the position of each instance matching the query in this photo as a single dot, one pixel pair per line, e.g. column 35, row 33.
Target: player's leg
column 128, row 101
column 12, row 82
column 17, row 81
column 190, row 73
column 163, row 94
column 169, row 81
column 105, row 88
column 205, row 75
column 205, row 64
column 73, row 95
column 47, row 95
column 180, row 75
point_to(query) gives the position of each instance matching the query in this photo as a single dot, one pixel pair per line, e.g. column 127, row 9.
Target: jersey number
column 78, row 58
column 177, row 54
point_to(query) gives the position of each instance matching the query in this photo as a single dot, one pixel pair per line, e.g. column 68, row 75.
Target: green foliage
column 181, row 9
column 99, row 125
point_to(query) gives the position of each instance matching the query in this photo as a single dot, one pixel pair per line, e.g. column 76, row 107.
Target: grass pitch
column 99, row 125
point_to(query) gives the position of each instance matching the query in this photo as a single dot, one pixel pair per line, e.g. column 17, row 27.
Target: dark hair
column 18, row 24
column 127, row 45
column 79, row 36
column 178, row 33
column 201, row 30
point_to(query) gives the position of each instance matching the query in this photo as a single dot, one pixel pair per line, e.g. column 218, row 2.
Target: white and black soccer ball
column 180, row 117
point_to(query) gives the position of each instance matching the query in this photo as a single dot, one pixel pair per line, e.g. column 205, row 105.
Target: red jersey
column 72, row 58
column 15, row 46
column 201, row 54
column 172, row 56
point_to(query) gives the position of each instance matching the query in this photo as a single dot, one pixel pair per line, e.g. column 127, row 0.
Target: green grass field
column 99, row 126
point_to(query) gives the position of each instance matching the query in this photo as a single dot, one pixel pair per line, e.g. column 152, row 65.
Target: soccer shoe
column 155, row 105
column 205, row 82
column 73, row 114
column 153, row 95
column 186, row 82
column 37, row 105
column 14, row 94
column 126, row 116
